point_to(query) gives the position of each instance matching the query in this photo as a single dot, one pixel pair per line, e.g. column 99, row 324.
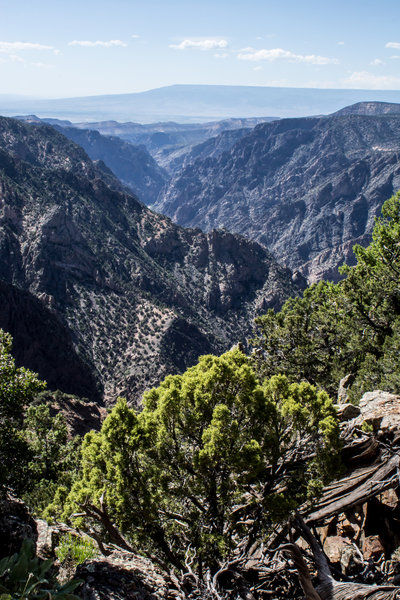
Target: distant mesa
column 197, row 103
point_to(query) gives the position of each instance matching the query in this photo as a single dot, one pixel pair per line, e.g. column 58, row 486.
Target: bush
column 24, row 576
column 207, row 442
column 75, row 550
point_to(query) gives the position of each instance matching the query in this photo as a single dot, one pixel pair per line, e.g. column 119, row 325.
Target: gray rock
column 381, row 410
column 123, row 577
column 344, row 385
column 347, row 411
column 308, row 189
column 16, row 524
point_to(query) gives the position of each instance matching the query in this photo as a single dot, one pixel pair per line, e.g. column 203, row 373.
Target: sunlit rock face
column 309, row 188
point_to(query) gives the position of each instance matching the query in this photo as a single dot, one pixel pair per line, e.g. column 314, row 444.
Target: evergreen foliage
column 349, row 327
column 18, row 387
column 36, row 455
column 54, row 458
column 211, row 449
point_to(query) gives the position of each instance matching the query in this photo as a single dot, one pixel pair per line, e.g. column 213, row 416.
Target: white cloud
column 258, row 68
column 376, row 62
column 340, row 43
column 221, row 55
column 135, row 36
column 12, row 47
column 395, row 56
column 280, row 54
column 365, row 80
column 395, row 45
column 10, row 52
column 88, row 44
column 11, row 58
column 200, row 44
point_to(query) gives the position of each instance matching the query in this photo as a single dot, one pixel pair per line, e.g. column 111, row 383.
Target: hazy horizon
column 196, row 104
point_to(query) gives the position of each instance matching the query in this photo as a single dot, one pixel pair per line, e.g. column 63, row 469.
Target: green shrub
column 75, row 550
column 24, row 576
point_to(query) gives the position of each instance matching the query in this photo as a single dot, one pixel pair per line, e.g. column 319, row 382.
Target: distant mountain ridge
column 370, row 108
column 168, row 143
column 236, row 180
column 194, row 103
column 133, row 165
column 137, row 296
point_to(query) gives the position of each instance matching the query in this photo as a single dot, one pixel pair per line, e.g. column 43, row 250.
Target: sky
column 57, row 48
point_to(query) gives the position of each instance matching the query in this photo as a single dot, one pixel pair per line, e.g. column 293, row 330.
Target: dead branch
column 329, row 588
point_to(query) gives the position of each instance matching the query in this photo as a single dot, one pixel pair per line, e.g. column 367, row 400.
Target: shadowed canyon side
column 306, row 188
column 43, row 344
column 139, row 296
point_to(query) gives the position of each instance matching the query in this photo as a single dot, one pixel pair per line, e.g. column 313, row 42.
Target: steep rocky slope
column 370, row 108
column 139, row 296
column 168, row 143
column 42, row 343
column 133, row 165
column 306, row 188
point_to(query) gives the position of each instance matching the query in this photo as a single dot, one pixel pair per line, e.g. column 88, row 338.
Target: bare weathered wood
column 310, row 592
column 357, row 488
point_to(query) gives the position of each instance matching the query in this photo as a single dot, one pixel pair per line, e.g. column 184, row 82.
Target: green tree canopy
column 212, row 450
column 18, row 386
column 348, row 327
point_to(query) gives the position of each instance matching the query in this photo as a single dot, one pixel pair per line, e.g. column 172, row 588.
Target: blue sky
column 62, row 49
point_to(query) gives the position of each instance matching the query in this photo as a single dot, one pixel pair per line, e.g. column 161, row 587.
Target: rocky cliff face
column 370, row 108
column 133, row 165
column 169, row 143
column 306, row 188
column 138, row 296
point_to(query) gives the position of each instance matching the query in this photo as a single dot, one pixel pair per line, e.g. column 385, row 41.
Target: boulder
column 381, row 410
column 123, row 576
column 334, row 547
column 347, row 411
column 389, row 498
column 344, row 385
column 16, row 524
column 373, row 548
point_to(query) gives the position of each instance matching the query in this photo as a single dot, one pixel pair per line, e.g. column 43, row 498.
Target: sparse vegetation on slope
column 138, row 296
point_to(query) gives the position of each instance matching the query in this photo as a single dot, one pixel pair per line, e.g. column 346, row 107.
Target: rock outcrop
column 16, row 525
column 123, row 577
column 309, row 189
column 381, row 412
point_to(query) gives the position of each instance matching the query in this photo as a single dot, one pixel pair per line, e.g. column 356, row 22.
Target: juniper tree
column 212, row 450
column 18, row 387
